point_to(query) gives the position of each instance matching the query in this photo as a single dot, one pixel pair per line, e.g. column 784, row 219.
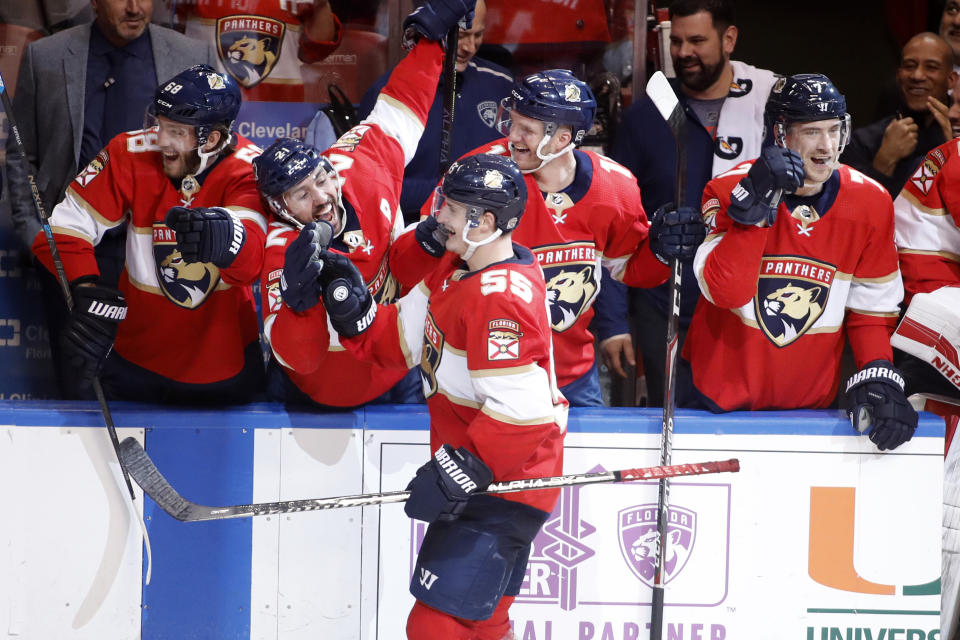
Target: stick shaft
column 61, row 273
column 146, row 474
column 449, row 98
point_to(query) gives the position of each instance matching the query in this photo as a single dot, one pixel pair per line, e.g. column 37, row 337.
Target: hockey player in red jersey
column 798, row 256
column 355, row 187
column 478, row 326
column 588, row 215
column 194, row 247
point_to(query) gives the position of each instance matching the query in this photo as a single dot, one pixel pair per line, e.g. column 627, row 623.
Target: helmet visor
column 172, row 135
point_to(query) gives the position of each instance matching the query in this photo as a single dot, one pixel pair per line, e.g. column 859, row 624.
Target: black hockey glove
column 431, row 236
column 755, row 199
column 300, row 287
column 207, row 234
column 441, row 488
column 88, row 337
column 876, row 401
column 435, row 18
column 349, row 305
column 676, row 233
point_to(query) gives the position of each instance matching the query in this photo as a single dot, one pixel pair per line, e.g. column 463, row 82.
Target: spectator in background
column 950, row 28
column 75, row 91
column 723, row 100
column 891, row 148
column 480, row 85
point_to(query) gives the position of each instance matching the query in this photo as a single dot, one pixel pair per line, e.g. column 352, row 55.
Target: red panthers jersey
column 369, row 160
column 597, row 221
column 769, row 329
column 263, row 45
column 928, row 222
column 482, row 340
column 186, row 321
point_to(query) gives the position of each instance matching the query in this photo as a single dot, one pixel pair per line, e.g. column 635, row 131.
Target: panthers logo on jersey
column 791, row 295
column 573, row 280
column 249, row 47
column 186, row 284
column 432, row 353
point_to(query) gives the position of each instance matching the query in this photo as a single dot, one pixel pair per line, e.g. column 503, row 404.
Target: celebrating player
column 799, row 252
column 184, row 319
column 355, row 187
column 478, row 327
column 589, row 215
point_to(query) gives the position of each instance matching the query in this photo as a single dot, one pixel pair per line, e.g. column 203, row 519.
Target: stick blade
column 662, row 95
column 146, row 474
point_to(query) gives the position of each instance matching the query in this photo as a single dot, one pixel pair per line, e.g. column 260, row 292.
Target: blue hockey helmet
column 486, row 182
column 805, row 97
column 285, row 164
column 198, row 96
column 555, row 97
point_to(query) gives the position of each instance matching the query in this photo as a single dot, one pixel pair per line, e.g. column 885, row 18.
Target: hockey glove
column 755, row 199
column 441, row 488
column 876, row 401
column 435, row 18
column 300, row 286
column 676, row 233
column 349, row 305
column 88, row 337
column 431, row 236
column 207, row 235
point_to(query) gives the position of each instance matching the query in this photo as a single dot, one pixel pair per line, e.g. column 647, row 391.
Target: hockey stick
column 664, row 98
column 61, row 274
column 146, row 474
column 450, row 80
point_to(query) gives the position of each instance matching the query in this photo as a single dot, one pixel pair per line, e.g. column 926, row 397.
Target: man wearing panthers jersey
column 184, row 320
column 588, row 214
column 479, row 329
column 799, row 255
column 355, row 187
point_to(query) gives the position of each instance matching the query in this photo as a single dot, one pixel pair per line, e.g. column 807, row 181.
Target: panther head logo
column 249, row 46
column 570, row 292
column 790, row 310
column 186, row 283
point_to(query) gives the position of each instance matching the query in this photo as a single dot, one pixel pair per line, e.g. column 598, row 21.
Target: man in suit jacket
column 76, row 90
column 52, row 101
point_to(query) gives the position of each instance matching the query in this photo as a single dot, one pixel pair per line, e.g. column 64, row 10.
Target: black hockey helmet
column 198, row 96
column 805, row 97
column 487, row 182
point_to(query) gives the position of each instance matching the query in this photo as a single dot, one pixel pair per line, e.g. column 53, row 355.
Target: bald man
column 890, row 149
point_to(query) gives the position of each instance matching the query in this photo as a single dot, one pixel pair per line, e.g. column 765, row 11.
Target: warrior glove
column 350, row 307
column 207, row 234
column 91, row 329
column 300, row 287
column 755, row 199
column 435, row 18
column 441, row 488
column 431, row 236
column 876, row 401
column 676, row 233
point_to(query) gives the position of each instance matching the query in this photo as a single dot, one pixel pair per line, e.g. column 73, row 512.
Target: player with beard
column 183, row 325
column 723, row 100
column 352, row 191
column 799, row 256
column 586, row 216
column 477, row 325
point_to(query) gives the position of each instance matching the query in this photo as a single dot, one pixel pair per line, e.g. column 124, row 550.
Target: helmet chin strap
column 207, row 156
column 472, row 246
column 544, row 159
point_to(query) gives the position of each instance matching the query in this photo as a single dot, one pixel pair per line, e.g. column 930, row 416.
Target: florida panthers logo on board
column 791, row 295
column 186, row 284
column 249, row 47
column 432, row 353
column 638, row 540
